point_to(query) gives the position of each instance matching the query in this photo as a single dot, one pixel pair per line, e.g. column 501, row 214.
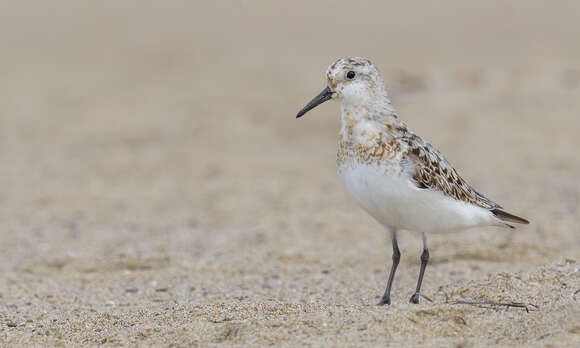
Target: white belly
column 394, row 201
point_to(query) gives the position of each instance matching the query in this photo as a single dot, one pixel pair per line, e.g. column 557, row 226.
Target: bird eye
column 350, row 75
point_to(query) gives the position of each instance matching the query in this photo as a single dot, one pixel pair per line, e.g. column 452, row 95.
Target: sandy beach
column 157, row 190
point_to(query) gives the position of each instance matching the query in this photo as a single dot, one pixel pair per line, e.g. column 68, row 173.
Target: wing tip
column 505, row 216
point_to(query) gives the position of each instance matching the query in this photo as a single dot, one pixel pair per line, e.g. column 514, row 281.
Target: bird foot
column 415, row 298
column 386, row 300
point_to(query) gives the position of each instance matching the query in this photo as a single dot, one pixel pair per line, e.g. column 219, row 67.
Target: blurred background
column 156, row 187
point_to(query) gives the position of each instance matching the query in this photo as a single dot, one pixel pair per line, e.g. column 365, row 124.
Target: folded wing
column 430, row 170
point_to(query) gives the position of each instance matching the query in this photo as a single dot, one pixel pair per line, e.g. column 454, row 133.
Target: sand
column 156, row 189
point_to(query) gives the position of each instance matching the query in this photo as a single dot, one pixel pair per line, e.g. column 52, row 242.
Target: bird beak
column 325, row 95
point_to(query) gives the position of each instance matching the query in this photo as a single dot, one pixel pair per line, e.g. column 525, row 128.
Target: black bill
column 325, row 95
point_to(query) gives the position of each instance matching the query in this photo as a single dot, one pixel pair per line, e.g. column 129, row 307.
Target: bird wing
column 430, row 170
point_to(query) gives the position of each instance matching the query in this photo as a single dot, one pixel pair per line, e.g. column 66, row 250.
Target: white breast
column 394, row 201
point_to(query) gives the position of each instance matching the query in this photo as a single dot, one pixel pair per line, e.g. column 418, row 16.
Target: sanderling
column 398, row 178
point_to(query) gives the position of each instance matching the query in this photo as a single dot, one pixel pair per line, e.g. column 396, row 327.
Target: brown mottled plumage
column 429, row 168
column 432, row 171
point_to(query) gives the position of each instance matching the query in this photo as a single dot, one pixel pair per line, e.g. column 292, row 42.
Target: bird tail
column 505, row 216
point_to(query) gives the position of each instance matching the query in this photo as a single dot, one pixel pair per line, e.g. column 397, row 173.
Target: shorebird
column 396, row 176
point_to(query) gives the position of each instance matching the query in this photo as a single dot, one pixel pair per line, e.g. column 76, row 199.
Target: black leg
column 424, row 260
column 386, row 299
